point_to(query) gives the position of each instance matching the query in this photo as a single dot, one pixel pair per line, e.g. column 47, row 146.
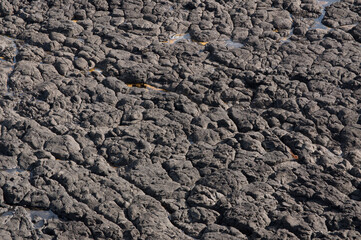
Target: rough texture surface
column 190, row 119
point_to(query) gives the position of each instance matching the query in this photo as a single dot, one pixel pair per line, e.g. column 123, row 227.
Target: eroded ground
column 180, row 119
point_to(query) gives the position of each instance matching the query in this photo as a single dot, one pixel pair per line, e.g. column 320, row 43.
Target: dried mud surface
column 203, row 119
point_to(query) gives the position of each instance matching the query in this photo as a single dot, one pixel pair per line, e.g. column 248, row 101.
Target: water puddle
column 144, row 85
column 186, row 36
column 15, row 170
column 316, row 25
column 8, row 214
column 286, row 39
column 318, row 21
column 38, row 218
column 5, row 44
column 178, row 37
column 232, row 44
column 95, row 70
column 183, row 36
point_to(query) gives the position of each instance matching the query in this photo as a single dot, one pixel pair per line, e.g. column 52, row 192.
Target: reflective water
column 7, row 214
column 177, row 37
column 95, row 70
column 186, row 36
column 144, row 85
column 318, row 21
column 231, row 43
column 8, row 65
column 15, row 170
column 37, row 217
column 13, row 44
column 287, row 39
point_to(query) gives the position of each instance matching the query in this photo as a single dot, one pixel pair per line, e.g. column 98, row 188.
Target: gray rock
column 62, row 146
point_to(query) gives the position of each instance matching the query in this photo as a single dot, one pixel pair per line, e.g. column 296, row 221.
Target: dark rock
column 355, row 31
column 152, row 219
column 6, row 8
column 246, row 120
column 62, row 146
column 81, row 63
column 180, row 120
column 63, row 66
column 247, row 217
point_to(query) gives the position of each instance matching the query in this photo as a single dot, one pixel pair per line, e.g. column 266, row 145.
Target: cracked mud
column 180, row 119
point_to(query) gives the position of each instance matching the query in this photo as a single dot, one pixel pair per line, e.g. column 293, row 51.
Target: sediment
column 182, row 119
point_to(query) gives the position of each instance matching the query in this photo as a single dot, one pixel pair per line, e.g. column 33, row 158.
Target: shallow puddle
column 144, row 85
column 232, row 44
column 318, row 21
column 95, row 70
column 286, row 39
column 37, row 217
column 40, row 217
column 7, row 214
column 4, row 46
column 15, row 170
column 178, row 37
column 186, row 36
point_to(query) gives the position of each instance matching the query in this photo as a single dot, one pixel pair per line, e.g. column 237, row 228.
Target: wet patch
column 294, row 156
column 8, row 60
column 95, row 70
column 233, row 44
column 286, row 39
column 186, row 36
column 40, row 217
column 144, row 85
column 7, row 214
column 318, row 21
column 13, row 45
column 183, row 36
column 15, row 170
column 178, row 37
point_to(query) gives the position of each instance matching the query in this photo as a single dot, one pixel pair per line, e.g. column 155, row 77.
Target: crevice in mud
column 159, row 200
column 127, row 234
column 70, row 194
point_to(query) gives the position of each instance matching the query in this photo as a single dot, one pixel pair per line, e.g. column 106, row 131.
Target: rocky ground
column 203, row 119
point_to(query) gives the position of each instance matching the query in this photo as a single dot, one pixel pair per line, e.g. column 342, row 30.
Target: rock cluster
column 190, row 119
